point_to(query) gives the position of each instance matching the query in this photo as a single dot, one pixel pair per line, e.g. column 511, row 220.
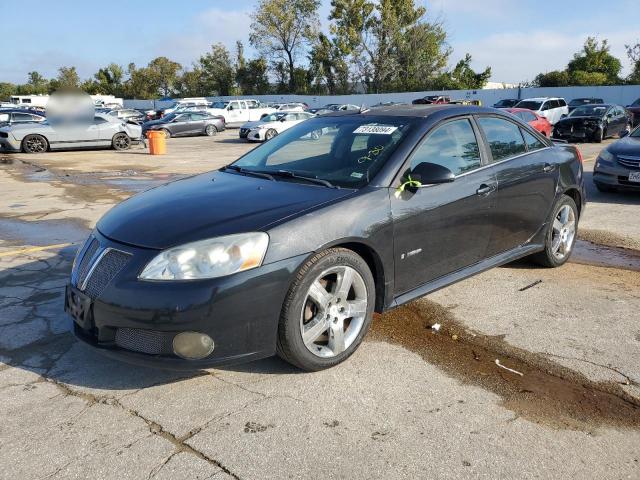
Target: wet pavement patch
column 529, row 384
column 41, row 232
column 587, row 253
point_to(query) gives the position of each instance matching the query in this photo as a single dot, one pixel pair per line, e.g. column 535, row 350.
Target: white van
column 550, row 108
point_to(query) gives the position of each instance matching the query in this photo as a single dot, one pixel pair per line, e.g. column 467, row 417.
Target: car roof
column 514, row 109
column 540, row 99
column 20, row 110
column 416, row 111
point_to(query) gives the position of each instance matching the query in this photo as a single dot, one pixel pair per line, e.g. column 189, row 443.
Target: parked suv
column 550, row 108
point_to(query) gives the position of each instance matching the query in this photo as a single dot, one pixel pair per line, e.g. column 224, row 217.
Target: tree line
column 372, row 46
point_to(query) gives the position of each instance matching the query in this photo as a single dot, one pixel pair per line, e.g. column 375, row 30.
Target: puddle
column 41, row 232
column 588, row 253
column 546, row 393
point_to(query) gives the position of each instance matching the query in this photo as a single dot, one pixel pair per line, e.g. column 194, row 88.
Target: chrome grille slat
column 85, row 262
column 629, row 162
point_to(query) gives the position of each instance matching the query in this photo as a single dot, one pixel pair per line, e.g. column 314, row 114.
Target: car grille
column 145, row 341
column 244, row 132
column 629, row 162
column 97, row 267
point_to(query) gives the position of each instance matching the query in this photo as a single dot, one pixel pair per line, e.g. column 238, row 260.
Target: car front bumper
column 575, row 133
column 255, row 136
column 135, row 320
column 613, row 174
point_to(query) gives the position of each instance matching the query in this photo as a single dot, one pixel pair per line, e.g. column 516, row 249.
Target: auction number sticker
column 376, row 129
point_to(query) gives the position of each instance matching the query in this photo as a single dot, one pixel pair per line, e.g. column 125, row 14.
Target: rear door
column 439, row 229
column 527, row 175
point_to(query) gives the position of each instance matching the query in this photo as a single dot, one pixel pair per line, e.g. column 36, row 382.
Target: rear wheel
column 561, row 234
column 327, row 311
column 34, row 144
column 270, row 134
column 121, row 141
column 210, row 130
column 167, row 133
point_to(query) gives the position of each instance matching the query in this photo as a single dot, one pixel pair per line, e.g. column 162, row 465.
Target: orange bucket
column 157, row 142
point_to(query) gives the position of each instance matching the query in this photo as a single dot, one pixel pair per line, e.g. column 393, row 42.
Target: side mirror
column 431, row 173
column 624, row 133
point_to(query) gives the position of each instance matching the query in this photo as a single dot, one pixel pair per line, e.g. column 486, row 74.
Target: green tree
column 595, row 57
column 164, row 72
column 555, row 78
column 67, row 79
column 141, row 83
column 462, row 77
column 109, row 80
column 217, row 70
column 282, row 29
column 37, row 84
column 633, row 52
column 191, row 83
column 6, row 90
column 328, row 69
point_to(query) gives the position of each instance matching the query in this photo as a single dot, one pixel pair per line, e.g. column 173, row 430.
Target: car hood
column 626, row 146
column 209, row 205
column 251, row 125
column 570, row 120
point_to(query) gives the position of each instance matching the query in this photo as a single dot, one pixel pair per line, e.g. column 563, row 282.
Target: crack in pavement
column 154, row 427
column 629, row 380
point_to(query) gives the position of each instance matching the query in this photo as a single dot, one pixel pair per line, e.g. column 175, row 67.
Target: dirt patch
column 609, row 239
column 531, row 385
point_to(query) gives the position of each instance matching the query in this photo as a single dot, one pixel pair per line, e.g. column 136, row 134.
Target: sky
column 517, row 38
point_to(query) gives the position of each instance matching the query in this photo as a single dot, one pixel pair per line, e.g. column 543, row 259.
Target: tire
column 34, row 144
column 167, row 133
column 121, row 141
column 560, row 235
column 322, row 320
column 598, row 136
column 604, row 188
column 210, row 130
column 270, row 134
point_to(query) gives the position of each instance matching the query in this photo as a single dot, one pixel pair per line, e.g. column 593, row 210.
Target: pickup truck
column 237, row 112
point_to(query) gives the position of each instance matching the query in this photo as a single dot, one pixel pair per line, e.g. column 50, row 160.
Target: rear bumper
column 239, row 312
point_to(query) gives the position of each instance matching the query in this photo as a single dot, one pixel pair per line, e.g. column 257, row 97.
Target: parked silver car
column 103, row 131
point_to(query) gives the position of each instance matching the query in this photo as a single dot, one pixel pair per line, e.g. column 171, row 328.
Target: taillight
column 579, row 153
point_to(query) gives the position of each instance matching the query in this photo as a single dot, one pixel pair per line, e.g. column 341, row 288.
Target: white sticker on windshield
column 376, row 129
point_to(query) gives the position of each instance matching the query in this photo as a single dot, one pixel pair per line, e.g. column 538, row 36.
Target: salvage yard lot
column 412, row 402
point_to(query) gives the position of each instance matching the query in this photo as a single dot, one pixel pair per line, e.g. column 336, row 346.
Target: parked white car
column 276, row 123
column 550, row 108
column 237, row 112
column 291, row 107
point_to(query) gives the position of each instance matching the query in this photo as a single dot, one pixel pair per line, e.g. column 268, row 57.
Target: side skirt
column 487, row 264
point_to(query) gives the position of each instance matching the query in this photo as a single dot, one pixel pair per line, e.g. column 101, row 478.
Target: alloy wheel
column 564, row 232
column 121, row 142
column 334, row 311
column 35, row 144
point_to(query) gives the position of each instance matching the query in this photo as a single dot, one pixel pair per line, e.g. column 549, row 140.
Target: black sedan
column 292, row 248
column 593, row 123
column 618, row 165
column 186, row 124
column 507, row 103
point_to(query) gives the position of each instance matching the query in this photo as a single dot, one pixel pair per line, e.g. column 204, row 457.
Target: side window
column 554, row 104
column 452, row 145
column 562, row 103
column 532, row 142
column 234, row 106
column 504, row 137
column 21, row 117
column 98, row 120
column 545, row 106
column 529, row 117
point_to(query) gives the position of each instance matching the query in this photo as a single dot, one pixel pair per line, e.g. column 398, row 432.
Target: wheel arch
column 373, row 261
column 575, row 194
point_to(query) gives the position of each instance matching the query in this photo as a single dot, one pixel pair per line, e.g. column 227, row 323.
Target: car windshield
column 169, row 117
column 579, row 101
column 506, row 103
column 219, row 104
column 589, row 111
column 635, row 133
column 346, row 151
column 529, row 104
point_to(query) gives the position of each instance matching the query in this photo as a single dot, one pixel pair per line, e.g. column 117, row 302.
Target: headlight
column 606, row 156
column 215, row 257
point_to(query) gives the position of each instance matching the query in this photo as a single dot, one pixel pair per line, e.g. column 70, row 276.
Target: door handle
column 548, row 167
column 485, row 190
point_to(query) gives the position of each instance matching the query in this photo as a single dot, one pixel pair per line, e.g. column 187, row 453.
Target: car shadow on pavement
column 35, row 334
column 232, row 140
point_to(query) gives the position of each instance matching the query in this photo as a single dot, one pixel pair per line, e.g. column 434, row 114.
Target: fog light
column 192, row 345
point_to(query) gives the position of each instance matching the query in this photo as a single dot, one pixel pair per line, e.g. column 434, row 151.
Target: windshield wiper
column 319, row 181
column 255, row 173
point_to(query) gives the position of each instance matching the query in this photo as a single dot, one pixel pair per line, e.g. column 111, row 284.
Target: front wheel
column 270, row 134
column 121, row 141
column 561, row 234
column 327, row 311
column 34, row 144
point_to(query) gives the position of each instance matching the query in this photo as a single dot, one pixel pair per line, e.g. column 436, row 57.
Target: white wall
column 621, row 95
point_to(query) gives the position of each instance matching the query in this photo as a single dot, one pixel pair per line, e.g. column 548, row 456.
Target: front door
column 439, row 229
